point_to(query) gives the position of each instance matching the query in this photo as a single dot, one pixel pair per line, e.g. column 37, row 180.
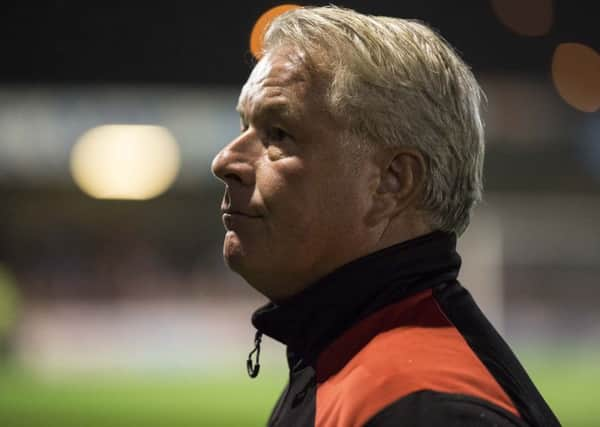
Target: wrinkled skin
column 304, row 204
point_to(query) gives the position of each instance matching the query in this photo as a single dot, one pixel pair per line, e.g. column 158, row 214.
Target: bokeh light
column 135, row 162
column 261, row 25
column 527, row 18
column 576, row 75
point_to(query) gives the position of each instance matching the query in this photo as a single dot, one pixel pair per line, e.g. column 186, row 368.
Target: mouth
column 232, row 219
column 237, row 213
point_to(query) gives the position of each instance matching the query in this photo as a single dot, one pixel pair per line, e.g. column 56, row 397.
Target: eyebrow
column 280, row 109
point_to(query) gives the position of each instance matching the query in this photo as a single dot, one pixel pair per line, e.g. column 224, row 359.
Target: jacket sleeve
column 434, row 409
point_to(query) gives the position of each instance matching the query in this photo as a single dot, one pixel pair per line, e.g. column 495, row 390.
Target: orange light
column 261, row 25
column 576, row 75
column 526, row 18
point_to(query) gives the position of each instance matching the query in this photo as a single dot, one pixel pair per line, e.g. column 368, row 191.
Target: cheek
column 293, row 199
column 280, row 184
column 309, row 198
column 345, row 202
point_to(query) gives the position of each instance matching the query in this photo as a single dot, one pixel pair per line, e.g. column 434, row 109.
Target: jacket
column 393, row 339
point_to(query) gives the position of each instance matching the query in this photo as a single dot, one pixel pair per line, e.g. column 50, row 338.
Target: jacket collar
column 310, row 320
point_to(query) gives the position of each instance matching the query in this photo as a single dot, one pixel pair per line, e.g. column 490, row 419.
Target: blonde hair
column 396, row 82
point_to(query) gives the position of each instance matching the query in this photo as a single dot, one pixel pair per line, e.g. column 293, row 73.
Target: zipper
column 253, row 369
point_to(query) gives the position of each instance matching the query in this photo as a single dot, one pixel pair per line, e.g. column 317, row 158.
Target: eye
column 277, row 134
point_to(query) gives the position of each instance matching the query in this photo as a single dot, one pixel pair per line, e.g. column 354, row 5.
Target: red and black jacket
column 392, row 339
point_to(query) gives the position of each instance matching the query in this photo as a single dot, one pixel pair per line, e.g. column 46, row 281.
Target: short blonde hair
column 396, row 82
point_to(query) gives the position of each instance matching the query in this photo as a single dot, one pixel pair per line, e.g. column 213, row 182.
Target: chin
column 248, row 264
column 233, row 250
column 247, row 271
column 239, row 257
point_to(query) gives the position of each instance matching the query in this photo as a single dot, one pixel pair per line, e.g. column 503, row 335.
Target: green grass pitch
column 569, row 384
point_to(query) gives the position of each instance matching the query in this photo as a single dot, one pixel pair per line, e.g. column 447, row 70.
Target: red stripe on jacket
column 403, row 348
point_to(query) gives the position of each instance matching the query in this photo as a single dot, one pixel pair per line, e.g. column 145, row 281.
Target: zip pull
column 253, row 369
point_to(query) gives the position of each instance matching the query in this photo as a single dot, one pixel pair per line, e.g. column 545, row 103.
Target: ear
column 400, row 183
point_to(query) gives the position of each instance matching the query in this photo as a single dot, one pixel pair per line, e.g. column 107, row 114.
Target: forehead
column 279, row 80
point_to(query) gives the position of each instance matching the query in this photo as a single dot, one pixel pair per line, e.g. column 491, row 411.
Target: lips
column 233, row 212
column 234, row 219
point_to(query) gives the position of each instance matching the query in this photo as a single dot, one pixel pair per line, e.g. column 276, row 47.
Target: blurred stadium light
column 135, row 162
column 262, row 24
column 576, row 75
column 526, row 18
column 40, row 126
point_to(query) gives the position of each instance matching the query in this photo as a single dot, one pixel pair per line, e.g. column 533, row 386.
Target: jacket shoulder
column 423, row 351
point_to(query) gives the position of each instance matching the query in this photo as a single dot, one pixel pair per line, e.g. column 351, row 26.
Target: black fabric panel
column 495, row 354
column 296, row 405
column 435, row 409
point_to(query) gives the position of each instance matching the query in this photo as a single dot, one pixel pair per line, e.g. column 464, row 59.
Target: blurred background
column 115, row 306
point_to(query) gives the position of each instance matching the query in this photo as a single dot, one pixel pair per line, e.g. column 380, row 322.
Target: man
column 357, row 166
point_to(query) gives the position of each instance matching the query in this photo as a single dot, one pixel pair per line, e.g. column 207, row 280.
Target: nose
column 235, row 163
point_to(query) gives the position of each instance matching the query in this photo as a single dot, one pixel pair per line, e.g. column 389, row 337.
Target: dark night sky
column 198, row 43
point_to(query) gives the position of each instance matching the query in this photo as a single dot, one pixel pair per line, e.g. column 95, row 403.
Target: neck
column 309, row 320
column 395, row 233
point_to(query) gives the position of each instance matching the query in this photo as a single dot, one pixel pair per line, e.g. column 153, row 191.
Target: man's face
column 297, row 195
